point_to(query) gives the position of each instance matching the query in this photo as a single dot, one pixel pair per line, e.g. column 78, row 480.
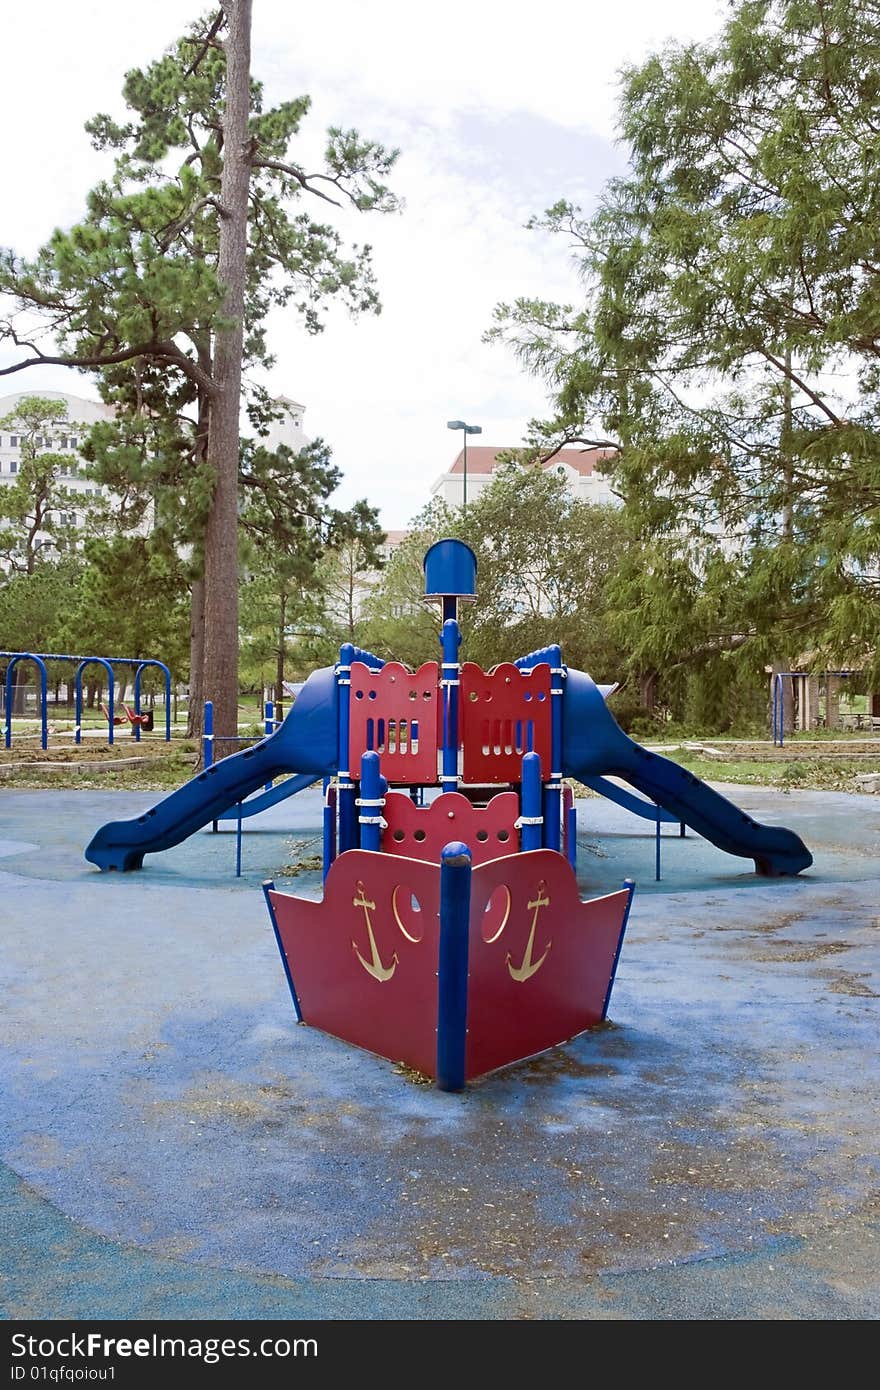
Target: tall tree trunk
column 195, row 713
column 279, row 665
column 195, row 719
column 648, row 691
column 221, row 536
column 352, row 577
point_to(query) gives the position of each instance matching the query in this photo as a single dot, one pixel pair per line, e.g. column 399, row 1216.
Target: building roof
column 395, row 537
column 79, row 408
column 482, row 458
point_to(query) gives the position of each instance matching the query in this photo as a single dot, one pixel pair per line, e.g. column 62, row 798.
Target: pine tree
column 165, row 284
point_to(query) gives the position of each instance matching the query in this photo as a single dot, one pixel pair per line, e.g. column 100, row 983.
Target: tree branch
column 302, row 179
column 207, row 42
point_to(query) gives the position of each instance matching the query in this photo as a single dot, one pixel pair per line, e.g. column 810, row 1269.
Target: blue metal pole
column 269, row 887
column 657, row 848
column 77, row 705
column 346, row 789
column 238, row 843
column 572, row 836
column 137, row 704
column 44, row 696
column 450, row 641
column 630, row 885
column 329, row 821
column 109, row 670
column 208, row 735
column 8, row 712
column 269, row 728
column 531, row 820
column 370, row 802
column 553, row 789
column 452, row 969
column 167, row 702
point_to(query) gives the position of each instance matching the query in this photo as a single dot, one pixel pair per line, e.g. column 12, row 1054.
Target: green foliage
column 545, row 561
column 131, row 600
column 299, row 554
column 728, row 339
column 36, row 510
column 33, row 607
column 347, row 570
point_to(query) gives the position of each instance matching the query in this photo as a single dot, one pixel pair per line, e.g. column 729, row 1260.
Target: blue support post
column 44, row 695
column 77, row 706
column 450, row 640
column 572, row 836
column 137, row 705
column 208, row 744
column 452, row 970
column 329, row 820
column 269, row 887
column 657, row 848
column 137, row 695
column 630, row 885
column 269, row 728
column 531, row 820
column 238, row 842
column 553, row 789
column 108, row 669
column 370, row 802
column 346, row 789
column 208, row 735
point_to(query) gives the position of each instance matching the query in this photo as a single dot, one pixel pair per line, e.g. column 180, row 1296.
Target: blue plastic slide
column 306, row 743
column 595, row 746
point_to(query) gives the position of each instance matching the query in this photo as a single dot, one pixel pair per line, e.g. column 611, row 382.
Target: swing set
column 140, row 720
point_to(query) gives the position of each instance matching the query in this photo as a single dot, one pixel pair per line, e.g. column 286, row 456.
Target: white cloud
column 499, row 108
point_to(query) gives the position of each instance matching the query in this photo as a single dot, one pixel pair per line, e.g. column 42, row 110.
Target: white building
column 581, row 468
column 289, row 429
column 64, row 438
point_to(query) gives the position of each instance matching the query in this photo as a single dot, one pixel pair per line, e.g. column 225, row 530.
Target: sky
column 499, row 108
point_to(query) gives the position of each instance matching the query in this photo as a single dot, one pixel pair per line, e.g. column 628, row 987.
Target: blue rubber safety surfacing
column 171, row 1128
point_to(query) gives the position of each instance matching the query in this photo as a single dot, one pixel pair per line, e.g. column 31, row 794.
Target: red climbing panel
column 503, row 714
column 421, row 832
column 394, row 712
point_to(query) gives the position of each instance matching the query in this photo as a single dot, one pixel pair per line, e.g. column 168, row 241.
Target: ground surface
column 175, row 1145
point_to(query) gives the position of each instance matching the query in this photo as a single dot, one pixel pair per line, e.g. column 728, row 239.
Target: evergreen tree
column 728, row 341
column 165, row 284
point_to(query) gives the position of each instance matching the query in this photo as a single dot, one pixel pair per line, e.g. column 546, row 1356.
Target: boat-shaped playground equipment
column 451, row 935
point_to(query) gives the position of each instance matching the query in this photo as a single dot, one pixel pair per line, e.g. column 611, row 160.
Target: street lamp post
column 466, row 430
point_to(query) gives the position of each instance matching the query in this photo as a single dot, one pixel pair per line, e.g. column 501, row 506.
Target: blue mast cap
column 450, row 571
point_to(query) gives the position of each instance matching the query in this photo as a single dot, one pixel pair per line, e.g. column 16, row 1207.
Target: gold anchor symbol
column 527, row 966
column 373, row 966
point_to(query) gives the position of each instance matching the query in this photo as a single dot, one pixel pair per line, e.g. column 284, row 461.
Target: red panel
column 395, row 713
column 421, row 832
column 542, row 976
column 364, row 961
column 503, row 714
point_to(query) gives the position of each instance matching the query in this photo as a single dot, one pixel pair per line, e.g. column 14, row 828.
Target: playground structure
column 451, row 935
column 139, row 720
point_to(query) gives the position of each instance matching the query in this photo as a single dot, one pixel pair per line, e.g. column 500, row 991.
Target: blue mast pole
column 553, row 789
column 348, row 830
column 450, row 640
